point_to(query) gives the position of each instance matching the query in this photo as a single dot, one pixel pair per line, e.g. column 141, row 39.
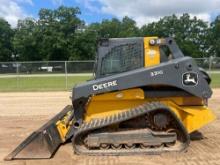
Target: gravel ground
column 22, row 113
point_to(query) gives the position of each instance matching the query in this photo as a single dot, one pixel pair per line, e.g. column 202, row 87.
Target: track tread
column 117, row 118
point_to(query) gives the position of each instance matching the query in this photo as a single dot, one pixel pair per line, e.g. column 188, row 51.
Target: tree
column 84, row 45
column 27, row 40
column 61, row 35
column 6, row 35
column 58, row 28
column 108, row 28
column 214, row 37
column 190, row 33
column 51, row 37
column 115, row 28
column 128, row 28
column 86, row 41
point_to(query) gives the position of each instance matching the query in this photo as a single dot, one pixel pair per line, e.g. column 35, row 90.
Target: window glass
column 122, row 58
column 165, row 54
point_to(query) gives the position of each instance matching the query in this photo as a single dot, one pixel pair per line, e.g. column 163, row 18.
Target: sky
column 142, row 11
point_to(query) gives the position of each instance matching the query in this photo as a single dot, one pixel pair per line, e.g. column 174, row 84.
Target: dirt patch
column 22, row 113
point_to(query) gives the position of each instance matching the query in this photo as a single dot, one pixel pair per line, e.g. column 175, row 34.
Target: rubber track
column 127, row 114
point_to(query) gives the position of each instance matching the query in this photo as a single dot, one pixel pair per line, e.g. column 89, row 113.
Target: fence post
column 66, row 78
column 17, row 73
column 210, row 63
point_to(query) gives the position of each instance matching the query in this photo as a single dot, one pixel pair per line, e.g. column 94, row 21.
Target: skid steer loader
column 146, row 98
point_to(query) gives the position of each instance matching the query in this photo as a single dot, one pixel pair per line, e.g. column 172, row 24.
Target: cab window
column 122, row 58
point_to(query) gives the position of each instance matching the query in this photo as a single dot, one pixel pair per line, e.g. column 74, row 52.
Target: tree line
column 60, row 34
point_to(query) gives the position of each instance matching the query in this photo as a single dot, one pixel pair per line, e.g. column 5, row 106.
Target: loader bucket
column 41, row 143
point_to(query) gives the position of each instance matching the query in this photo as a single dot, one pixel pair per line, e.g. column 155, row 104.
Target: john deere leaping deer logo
column 190, row 79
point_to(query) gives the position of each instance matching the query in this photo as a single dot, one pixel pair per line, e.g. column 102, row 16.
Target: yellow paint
column 111, row 103
column 151, row 53
column 192, row 117
column 63, row 126
column 62, row 129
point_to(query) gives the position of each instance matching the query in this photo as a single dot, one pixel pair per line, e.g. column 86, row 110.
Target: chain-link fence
column 61, row 75
column 211, row 64
column 46, row 67
column 46, row 75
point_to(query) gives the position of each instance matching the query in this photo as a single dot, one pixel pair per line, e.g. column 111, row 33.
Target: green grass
column 215, row 80
column 57, row 83
column 54, row 83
